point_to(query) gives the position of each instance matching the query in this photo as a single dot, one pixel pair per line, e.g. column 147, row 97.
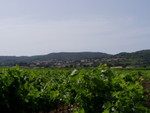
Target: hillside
column 51, row 58
column 80, row 59
column 69, row 56
column 138, row 58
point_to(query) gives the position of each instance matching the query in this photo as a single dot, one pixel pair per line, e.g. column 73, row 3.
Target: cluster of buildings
column 66, row 64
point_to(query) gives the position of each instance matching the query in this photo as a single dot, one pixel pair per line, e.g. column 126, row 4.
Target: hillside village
column 80, row 59
column 67, row 64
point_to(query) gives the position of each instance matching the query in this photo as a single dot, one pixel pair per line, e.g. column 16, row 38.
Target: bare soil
column 146, row 85
column 61, row 109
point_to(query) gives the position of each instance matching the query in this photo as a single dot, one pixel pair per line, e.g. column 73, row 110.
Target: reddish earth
column 61, row 109
column 146, row 85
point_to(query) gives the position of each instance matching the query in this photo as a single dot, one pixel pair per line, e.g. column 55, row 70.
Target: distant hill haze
column 80, row 59
column 56, row 56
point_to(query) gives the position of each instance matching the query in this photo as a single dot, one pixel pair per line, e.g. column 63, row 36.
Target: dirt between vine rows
column 146, row 85
column 61, row 109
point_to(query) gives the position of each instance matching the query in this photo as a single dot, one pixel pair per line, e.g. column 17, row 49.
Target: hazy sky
column 34, row 27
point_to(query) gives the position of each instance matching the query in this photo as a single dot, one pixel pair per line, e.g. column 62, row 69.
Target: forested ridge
column 80, row 59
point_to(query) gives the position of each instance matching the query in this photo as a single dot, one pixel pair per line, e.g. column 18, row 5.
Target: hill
column 135, row 59
column 52, row 59
column 80, row 59
column 69, row 56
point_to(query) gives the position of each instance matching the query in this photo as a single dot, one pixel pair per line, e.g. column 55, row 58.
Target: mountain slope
column 139, row 59
column 71, row 56
column 53, row 57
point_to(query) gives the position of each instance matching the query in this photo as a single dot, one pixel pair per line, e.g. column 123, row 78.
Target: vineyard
column 84, row 90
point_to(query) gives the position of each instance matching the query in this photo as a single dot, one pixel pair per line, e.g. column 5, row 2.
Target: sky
column 38, row 27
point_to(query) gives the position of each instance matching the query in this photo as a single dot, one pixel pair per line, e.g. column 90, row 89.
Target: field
column 68, row 90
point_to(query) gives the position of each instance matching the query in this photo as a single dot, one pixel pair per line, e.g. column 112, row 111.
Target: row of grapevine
column 96, row 90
